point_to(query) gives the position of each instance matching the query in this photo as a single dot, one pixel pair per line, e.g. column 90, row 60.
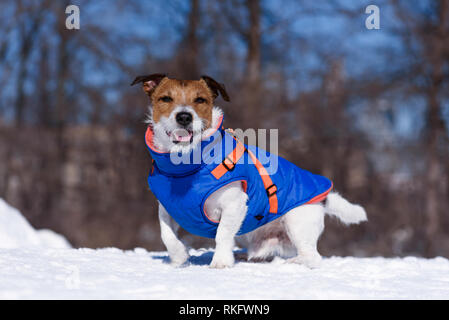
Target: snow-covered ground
column 16, row 232
column 39, row 271
column 115, row 274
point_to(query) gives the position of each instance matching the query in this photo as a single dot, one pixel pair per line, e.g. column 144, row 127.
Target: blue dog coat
column 183, row 183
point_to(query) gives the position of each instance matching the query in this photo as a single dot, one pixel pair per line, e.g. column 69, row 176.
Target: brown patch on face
column 171, row 93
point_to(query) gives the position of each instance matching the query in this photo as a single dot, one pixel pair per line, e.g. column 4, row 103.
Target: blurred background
column 367, row 108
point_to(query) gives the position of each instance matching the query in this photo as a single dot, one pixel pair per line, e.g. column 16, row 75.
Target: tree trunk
column 253, row 55
column 435, row 127
column 27, row 41
column 253, row 63
column 189, row 59
column 62, row 67
column 44, row 109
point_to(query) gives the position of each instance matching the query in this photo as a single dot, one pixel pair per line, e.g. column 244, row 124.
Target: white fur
column 231, row 204
column 341, row 208
column 294, row 235
column 176, row 249
column 168, row 124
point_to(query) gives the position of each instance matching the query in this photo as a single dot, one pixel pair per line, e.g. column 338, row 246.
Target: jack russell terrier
column 225, row 192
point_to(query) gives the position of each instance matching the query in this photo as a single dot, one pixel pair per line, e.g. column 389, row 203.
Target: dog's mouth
column 180, row 135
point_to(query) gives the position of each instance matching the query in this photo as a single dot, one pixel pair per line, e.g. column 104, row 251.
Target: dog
column 182, row 117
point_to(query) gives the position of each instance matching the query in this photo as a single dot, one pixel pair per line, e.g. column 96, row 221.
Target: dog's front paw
column 221, row 264
column 220, row 261
column 311, row 260
column 179, row 259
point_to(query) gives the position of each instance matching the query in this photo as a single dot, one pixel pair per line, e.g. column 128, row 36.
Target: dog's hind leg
column 304, row 225
column 268, row 241
column 176, row 249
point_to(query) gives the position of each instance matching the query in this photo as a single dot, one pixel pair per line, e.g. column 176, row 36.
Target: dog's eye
column 166, row 99
column 200, row 100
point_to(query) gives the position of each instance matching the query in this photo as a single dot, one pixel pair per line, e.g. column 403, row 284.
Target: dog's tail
column 341, row 208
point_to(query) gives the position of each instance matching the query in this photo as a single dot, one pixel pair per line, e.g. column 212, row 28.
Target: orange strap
column 228, row 164
column 270, row 187
column 152, row 166
column 320, row 197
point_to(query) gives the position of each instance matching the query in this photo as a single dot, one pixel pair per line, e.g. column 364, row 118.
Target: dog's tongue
column 181, row 135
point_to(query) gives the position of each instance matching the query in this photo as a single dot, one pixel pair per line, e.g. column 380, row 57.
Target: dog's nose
column 184, row 118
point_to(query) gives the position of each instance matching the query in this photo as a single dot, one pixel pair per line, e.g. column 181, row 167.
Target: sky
column 163, row 22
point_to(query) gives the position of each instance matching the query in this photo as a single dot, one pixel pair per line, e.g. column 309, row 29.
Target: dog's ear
column 216, row 87
column 150, row 82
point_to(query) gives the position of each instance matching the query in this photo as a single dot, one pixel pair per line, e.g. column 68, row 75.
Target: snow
column 30, row 269
column 16, row 232
column 114, row 274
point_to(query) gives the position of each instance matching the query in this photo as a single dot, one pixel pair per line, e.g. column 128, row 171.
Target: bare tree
column 78, row 164
column 436, row 48
column 426, row 38
column 191, row 42
column 29, row 23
